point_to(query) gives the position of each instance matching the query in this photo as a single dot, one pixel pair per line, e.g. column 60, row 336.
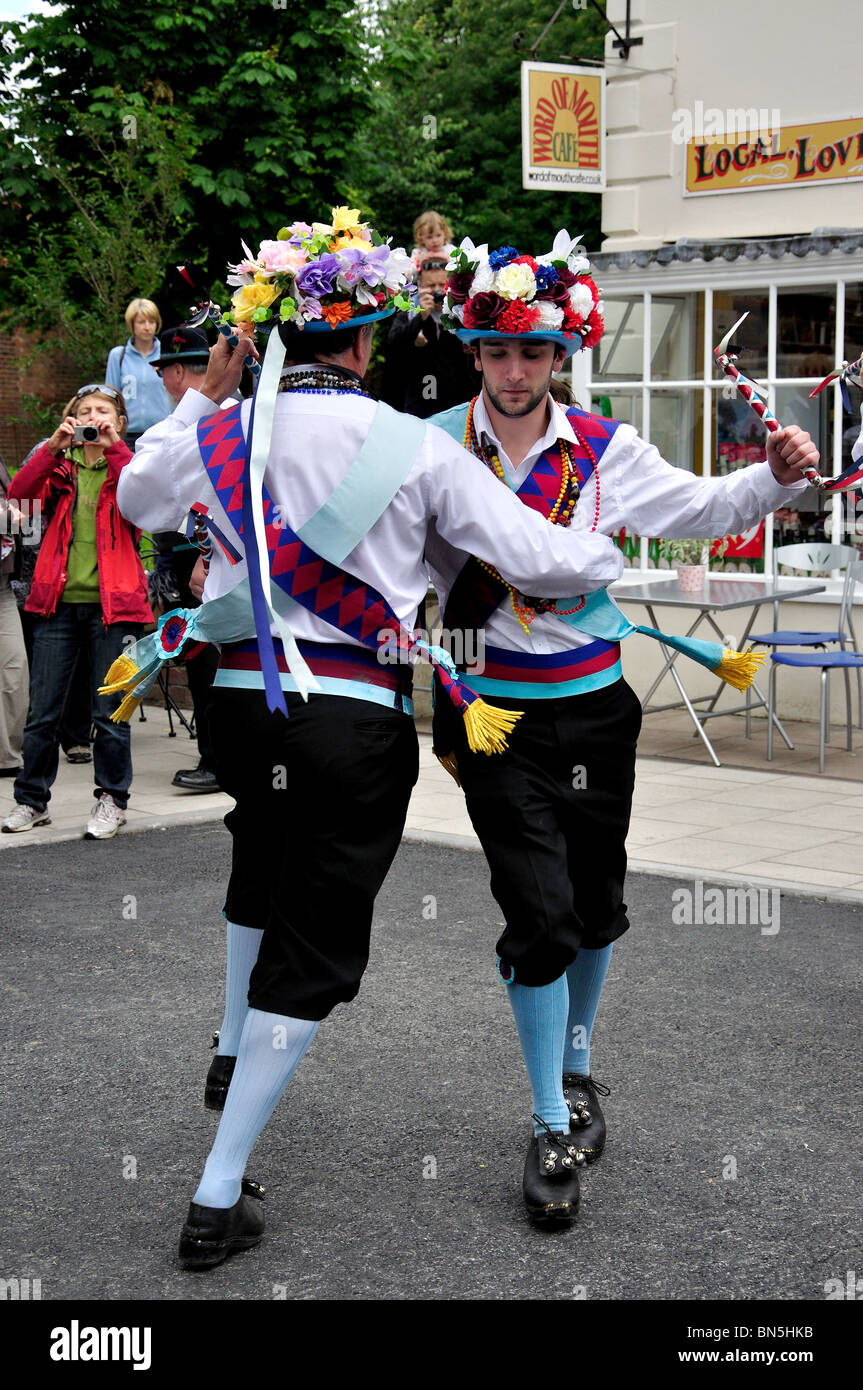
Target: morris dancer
column 552, row 812
column 321, row 795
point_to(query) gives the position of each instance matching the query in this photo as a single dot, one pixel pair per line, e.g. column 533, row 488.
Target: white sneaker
column 105, row 820
column 24, row 818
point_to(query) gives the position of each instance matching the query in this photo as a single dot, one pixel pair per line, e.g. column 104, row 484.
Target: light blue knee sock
column 241, row 954
column 540, row 1016
column 585, row 978
column 271, row 1048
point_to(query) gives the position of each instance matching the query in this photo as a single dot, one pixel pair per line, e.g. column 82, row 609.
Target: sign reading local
column 790, row 157
column 563, row 127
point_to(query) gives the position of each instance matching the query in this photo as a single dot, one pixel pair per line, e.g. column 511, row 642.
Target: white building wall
column 803, row 61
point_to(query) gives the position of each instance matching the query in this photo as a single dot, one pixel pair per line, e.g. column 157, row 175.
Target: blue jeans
column 56, row 643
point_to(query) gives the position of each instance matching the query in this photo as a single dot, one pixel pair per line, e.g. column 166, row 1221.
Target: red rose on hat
column 483, row 310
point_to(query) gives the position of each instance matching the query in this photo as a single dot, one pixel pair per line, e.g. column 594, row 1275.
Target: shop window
column 619, row 354
column 752, row 337
column 672, row 337
column 806, row 332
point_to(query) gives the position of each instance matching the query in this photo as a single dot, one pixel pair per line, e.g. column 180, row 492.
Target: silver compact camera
column 85, row 434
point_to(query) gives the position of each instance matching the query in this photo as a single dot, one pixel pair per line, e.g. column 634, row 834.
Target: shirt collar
column 558, row 428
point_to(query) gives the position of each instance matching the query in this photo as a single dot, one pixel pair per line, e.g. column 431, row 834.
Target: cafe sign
column 563, row 127
column 818, row 152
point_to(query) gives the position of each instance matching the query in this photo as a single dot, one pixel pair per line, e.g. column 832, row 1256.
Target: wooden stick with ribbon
column 753, row 394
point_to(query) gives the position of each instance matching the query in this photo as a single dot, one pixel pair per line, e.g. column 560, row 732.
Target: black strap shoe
column 218, row 1079
column 212, row 1233
column 586, row 1120
column 550, row 1186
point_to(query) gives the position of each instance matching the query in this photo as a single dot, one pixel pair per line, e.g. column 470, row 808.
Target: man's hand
column 226, row 367
column 427, row 303
column 197, row 579
column 789, row 451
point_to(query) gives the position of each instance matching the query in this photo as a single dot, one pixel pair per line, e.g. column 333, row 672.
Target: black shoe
column 196, row 779
column 551, row 1189
column 9, row 771
column 218, row 1079
column 586, row 1120
column 212, row 1233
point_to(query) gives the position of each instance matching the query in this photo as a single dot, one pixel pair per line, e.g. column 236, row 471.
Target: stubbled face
column 173, row 380
column 516, row 375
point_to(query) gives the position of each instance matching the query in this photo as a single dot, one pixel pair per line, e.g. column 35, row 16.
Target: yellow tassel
column 487, row 726
column 450, row 762
column 739, row 668
column 124, row 711
column 122, row 675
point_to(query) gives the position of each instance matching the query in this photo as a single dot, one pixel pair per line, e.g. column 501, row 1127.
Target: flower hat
column 504, row 295
column 321, row 277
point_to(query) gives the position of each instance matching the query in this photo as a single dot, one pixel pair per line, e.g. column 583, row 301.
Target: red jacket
column 51, row 480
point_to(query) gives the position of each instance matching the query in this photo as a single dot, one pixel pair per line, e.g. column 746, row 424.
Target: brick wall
column 53, row 376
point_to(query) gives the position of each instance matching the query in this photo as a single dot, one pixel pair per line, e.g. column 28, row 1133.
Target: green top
column 82, row 567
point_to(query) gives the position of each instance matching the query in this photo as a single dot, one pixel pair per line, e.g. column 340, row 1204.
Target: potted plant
column 689, row 557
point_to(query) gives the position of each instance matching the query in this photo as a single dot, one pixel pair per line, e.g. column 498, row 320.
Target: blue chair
column 825, row 663
column 812, row 558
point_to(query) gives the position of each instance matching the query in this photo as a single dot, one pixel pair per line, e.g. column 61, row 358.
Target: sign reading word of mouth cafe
column 562, row 127
column 740, row 160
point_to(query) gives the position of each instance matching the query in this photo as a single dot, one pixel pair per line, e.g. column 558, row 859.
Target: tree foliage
column 271, row 96
column 446, row 130
column 124, row 218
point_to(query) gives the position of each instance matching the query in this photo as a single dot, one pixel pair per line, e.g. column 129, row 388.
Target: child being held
column 433, row 237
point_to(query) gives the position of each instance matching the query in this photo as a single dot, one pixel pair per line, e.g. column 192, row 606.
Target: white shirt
column 315, row 440
column 638, row 490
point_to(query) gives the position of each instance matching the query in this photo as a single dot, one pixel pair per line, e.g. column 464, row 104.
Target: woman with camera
column 88, row 592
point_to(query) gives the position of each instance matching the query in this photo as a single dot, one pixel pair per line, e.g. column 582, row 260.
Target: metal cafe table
column 717, row 596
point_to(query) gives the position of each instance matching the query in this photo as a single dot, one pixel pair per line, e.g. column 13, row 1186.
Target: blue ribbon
column 260, row 609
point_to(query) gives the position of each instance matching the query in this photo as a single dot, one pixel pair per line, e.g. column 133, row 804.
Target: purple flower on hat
column 318, row 277
column 369, row 266
column 502, row 256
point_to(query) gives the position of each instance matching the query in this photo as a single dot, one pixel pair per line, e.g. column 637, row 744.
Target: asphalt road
column 393, row 1163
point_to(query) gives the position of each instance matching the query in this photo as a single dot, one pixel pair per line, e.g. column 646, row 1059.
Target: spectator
column 182, row 363
column 427, row 370
column 75, row 724
column 88, row 591
column 128, row 370
column 433, row 237
column 13, row 657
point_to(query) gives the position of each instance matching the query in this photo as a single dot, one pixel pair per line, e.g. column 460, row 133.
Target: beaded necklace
column 322, row 381
column 560, row 514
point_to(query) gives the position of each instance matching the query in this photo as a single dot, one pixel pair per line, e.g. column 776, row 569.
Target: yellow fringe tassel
column 122, row 675
column 450, row 762
column 487, row 726
column 739, row 668
column 124, row 711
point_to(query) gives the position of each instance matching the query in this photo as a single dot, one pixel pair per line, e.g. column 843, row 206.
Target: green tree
column 123, row 188
column 273, row 97
column 448, row 105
